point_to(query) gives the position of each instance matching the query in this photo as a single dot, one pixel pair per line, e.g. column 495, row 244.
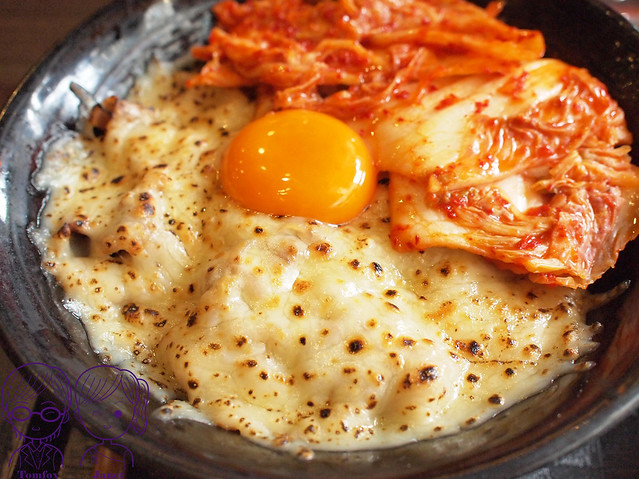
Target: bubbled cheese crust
column 288, row 330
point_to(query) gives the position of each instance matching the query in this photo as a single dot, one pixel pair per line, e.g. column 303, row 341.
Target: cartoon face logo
column 41, row 423
column 37, row 383
column 23, row 387
column 130, row 393
column 20, row 390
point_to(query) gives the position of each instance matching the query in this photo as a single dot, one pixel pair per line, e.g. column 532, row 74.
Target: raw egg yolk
column 299, row 163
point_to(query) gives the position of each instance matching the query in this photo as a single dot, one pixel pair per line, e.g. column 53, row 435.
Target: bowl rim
column 517, row 461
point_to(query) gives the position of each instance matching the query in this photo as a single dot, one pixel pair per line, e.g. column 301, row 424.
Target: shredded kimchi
column 489, row 148
column 348, row 57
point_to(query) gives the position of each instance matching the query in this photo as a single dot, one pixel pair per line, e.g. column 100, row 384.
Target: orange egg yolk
column 299, row 163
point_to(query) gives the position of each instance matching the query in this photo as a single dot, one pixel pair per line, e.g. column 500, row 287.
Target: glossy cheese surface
column 292, row 331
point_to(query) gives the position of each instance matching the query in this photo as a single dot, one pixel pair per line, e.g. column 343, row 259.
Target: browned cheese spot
column 131, row 313
column 323, row 248
column 472, row 378
column 324, row 413
column 300, row 286
column 355, row 346
column 377, row 269
column 445, row 269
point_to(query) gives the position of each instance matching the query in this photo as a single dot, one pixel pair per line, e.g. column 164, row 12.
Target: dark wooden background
column 28, row 30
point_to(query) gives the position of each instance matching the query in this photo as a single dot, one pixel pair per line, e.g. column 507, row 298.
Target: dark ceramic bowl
column 104, row 57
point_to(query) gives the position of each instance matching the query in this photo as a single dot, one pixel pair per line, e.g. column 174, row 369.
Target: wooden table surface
column 28, row 30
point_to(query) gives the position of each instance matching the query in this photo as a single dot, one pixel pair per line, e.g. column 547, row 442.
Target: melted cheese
column 291, row 331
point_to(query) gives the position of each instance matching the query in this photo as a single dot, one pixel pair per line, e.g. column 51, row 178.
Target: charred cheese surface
column 291, row 331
